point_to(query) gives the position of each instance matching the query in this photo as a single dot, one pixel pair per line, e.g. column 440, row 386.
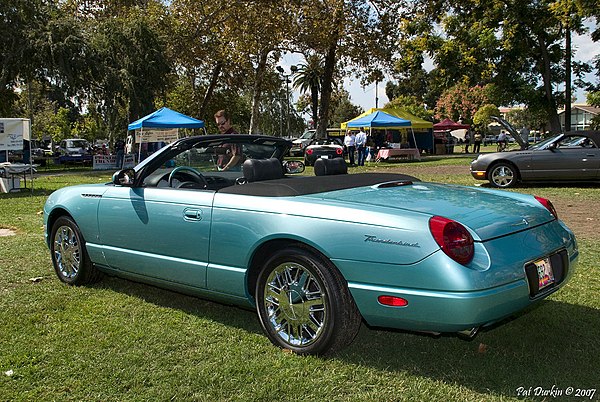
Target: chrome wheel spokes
column 67, row 251
column 503, row 176
column 295, row 303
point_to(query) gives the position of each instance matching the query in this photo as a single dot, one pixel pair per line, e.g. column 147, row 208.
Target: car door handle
column 192, row 214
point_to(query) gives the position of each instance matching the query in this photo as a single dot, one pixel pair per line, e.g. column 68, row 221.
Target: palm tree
column 308, row 78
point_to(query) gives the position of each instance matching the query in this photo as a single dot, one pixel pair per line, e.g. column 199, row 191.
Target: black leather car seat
column 326, row 167
column 262, row 169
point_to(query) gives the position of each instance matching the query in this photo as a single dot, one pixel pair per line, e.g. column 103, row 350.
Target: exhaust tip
column 468, row 334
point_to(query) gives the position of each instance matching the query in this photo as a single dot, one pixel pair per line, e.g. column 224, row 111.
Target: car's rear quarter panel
column 445, row 296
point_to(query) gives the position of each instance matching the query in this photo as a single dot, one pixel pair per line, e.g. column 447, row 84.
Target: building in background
column 581, row 117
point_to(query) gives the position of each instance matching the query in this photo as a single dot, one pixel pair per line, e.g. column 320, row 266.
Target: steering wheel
column 188, row 171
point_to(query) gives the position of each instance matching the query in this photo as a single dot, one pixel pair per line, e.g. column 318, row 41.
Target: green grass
column 119, row 340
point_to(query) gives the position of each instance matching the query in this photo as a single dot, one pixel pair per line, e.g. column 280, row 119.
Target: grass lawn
column 119, row 340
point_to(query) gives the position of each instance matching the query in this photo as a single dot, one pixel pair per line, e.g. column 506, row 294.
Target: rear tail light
column 453, row 238
column 546, row 203
column 339, row 151
column 309, row 152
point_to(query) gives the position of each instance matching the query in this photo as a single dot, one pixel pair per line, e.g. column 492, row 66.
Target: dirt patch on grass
column 448, row 170
column 582, row 217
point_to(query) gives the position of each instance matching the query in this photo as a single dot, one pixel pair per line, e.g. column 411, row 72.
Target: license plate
column 324, row 156
column 545, row 273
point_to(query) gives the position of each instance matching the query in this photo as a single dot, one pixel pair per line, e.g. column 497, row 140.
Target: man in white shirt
column 361, row 145
column 502, row 139
column 350, row 144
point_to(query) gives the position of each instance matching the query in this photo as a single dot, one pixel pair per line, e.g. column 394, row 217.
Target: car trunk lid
column 488, row 213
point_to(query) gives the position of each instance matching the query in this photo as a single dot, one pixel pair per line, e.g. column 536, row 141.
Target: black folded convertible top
column 302, row 185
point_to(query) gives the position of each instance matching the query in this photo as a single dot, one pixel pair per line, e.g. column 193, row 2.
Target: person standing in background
column 477, row 142
column 361, row 144
column 231, row 157
column 350, row 144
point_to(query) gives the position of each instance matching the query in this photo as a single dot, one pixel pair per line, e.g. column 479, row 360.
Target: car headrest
column 324, row 167
column 262, row 169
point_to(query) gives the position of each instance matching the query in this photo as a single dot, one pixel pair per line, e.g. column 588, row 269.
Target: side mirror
column 124, row 177
column 293, row 167
column 552, row 146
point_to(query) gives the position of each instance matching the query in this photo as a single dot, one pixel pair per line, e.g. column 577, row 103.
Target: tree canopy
column 89, row 68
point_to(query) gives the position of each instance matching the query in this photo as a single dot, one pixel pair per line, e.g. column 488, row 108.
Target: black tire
column 316, row 314
column 69, row 255
column 503, row 175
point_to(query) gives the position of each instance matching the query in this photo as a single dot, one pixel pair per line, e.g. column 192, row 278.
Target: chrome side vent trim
column 391, row 184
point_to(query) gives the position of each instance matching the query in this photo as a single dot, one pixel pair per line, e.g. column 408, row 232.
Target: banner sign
column 109, row 162
column 149, row 135
column 11, row 134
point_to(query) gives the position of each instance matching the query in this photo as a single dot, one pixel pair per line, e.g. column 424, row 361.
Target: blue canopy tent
column 164, row 118
column 382, row 120
column 379, row 119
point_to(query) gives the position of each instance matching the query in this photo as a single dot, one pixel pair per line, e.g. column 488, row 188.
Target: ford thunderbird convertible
column 315, row 255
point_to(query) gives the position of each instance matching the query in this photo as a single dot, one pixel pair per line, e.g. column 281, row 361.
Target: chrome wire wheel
column 67, row 252
column 503, row 176
column 296, row 304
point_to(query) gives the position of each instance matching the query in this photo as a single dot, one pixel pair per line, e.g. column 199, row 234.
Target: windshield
column 208, row 162
column 544, row 144
column 326, row 141
column 77, row 144
column 307, row 135
column 216, row 154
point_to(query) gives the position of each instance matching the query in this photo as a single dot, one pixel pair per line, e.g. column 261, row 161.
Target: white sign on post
column 11, row 134
column 109, row 162
column 149, row 135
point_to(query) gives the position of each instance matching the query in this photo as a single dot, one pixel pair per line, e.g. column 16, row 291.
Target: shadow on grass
column 219, row 312
column 554, row 343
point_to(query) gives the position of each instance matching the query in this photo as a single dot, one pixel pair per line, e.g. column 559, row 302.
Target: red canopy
column 448, row 124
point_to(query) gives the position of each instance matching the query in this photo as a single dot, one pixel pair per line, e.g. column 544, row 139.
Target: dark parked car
column 574, row 156
column 327, row 148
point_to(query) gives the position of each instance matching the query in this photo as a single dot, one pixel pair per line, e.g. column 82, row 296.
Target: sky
column 585, row 51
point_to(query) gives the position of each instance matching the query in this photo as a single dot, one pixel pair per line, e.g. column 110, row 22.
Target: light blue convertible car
column 314, row 255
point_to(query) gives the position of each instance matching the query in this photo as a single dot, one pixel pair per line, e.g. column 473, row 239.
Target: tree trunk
column 209, row 91
column 314, row 96
column 567, row 78
column 326, row 90
column 547, row 78
column 258, row 81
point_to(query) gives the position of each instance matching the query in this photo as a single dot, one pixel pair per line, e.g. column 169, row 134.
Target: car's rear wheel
column 503, row 175
column 304, row 304
column 69, row 255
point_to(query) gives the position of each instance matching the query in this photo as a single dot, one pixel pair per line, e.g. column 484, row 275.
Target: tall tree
column 486, row 41
column 350, row 35
column 308, row 79
column 130, row 69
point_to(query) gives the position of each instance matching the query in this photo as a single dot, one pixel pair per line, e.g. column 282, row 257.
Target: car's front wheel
column 304, row 304
column 503, row 175
column 69, row 256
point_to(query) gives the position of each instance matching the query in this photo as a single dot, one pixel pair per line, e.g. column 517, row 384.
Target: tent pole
column 140, row 146
column 415, row 141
